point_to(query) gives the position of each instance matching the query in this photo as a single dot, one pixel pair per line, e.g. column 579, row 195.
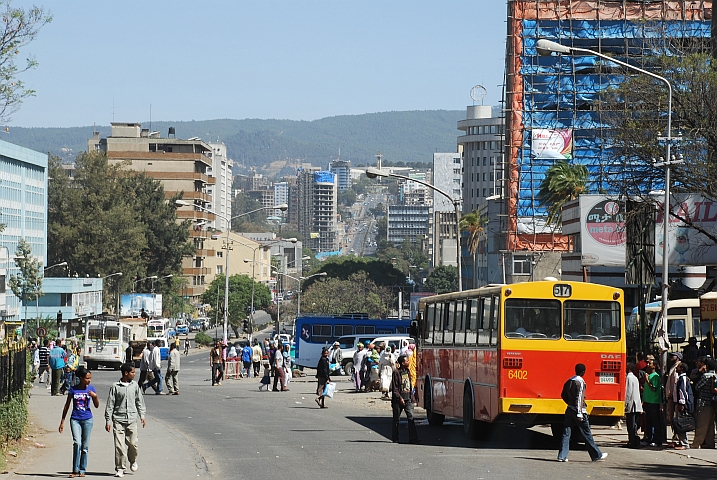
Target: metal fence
column 13, row 370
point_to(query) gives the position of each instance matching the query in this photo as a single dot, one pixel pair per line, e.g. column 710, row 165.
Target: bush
column 13, row 418
column 203, row 339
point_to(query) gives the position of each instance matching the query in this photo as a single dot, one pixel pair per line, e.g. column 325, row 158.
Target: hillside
column 399, row 136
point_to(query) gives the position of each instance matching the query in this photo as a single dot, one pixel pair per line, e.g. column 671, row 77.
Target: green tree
column 443, row 279
column 26, row 286
column 563, row 182
column 347, row 197
column 255, row 222
column 239, row 298
column 380, row 272
column 19, row 27
column 357, row 293
column 473, row 223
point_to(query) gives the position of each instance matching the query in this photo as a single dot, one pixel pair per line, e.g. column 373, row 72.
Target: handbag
column 684, row 422
column 329, row 390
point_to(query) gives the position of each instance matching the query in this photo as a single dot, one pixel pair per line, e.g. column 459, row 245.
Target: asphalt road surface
column 246, row 433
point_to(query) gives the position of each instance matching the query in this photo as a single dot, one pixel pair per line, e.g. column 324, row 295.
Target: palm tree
column 473, row 223
column 563, row 182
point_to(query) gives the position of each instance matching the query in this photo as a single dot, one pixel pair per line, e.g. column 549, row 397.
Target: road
column 243, row 433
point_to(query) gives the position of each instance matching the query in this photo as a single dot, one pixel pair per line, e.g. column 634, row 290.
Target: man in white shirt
column 155, row 365
column 633, row 407
column 279, row 368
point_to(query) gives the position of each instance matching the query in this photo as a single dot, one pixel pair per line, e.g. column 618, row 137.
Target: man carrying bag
column 684, row 421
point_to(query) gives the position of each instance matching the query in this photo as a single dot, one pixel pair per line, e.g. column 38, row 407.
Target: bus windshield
column 587, row 320
column 531, row 318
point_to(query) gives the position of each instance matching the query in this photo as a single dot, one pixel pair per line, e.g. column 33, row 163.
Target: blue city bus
column 316, row 332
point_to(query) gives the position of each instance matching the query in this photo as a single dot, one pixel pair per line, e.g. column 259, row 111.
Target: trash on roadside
column 39, row 445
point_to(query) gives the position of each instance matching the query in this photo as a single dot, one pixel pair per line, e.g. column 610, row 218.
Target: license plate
column 606, row 377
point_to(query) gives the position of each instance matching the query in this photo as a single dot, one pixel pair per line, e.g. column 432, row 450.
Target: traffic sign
column 41, row 332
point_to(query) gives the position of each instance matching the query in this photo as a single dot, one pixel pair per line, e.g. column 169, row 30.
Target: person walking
column 705, row 415
column 279, row 369
column 359, row 355
column 144, row 363
column 215, row 362
column 43, row 354
column 246, row 354
column 186, row 346
column 633, row 407
column 124, row 407
column 173, row 370
column 57, row 365
column 652, row 403
column 401, row 393
column 155, row 365
column 576, row 416
column 322, row 376
column 81, row 397
column 256, row 357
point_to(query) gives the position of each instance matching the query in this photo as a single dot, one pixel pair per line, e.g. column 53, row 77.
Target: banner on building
column 552, row 143
column 314, row 235
column 686, row 245
column 131, row 304
column 603, row 231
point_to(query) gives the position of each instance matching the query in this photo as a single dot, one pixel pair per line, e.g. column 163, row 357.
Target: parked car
column 182, row 329
column 348, row 346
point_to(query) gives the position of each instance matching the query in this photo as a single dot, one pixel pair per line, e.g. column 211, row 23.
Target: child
column 124, row 406
column 265, row 380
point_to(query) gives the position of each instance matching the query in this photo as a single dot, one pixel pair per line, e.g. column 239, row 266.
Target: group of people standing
column 150, row 368
column 275, row 356
column 374, row 366
column 56, row 363
column 689, row 393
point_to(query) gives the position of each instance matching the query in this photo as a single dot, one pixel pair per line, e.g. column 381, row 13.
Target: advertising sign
column 686, row 245
column 603, row 232
column 552, row 143
column 131, row 304
column 708, row 306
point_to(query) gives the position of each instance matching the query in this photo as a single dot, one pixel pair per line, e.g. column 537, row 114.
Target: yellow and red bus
column 500, row 354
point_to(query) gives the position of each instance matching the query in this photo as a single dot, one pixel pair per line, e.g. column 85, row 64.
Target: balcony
column 197, row 177
column 196, row 271
column 189, row 196
column 194, row 291
column 203, row 252
column 198, row 233
column 195, row 215
column 159, row 156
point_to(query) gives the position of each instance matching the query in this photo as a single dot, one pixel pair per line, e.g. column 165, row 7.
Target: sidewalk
column 164, row 451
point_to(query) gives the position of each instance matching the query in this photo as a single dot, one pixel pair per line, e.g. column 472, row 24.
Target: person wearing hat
column 335, row 356
column 359, row 356
column 674, row 359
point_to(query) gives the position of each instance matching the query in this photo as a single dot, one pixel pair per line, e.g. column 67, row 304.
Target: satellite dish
column 478, row 93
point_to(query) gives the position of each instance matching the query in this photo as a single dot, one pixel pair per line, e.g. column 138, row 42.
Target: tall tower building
column 221, row 192
column 447, row 176
column 342, row 170
column 317, row 213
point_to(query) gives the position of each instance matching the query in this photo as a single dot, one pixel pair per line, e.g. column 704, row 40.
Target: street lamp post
column 37, row 293
column 547, row 47
column 283, row 207
column 372, row 172
column 118, row 274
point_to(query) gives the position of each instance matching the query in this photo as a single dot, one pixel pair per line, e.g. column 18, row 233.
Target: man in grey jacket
column 633, row 407
column 173, row 370
column 124, row 406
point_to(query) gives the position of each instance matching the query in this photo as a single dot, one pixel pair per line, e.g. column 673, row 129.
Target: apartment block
column 182, row 167
column 448, row 177
column 281, row 196
column 408, row 221
column 317, row 213
column 342, row 170
column 220, row 193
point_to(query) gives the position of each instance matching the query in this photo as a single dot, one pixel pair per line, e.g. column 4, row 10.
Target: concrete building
column 76, row 298
column 256, row 181
column 181, row 166
column 447, row 176
column 265, row 196
column 342, row 170
column 23, row 209
column 281, row 196
column 221, row 191
column 242, row 248
column 317, row 213
column 481, row 147
column 408, row 221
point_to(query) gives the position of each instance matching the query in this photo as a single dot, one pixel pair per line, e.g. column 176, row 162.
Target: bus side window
column 449, row 324
column 343, row 330
column 428, row 324
column 460, row 337
column 493, row 322
column 472, row 322
column 438, row 324
column 483, row 326
column 320, row 333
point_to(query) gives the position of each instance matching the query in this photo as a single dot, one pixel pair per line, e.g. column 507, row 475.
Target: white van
column 348, row 346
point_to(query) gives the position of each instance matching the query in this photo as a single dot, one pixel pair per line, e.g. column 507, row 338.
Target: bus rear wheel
column 434, row 419
column 470, row 425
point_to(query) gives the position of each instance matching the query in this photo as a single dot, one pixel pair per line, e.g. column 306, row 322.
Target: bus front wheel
column 434, row 419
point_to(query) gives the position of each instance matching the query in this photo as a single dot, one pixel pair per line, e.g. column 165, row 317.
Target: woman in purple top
column 81, row 396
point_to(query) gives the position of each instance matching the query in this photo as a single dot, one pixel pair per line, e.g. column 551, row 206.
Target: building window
column 219, row 269
column 456, row 160
column 485, row 161
column 521, row 265
column 491, row 176
column 484, row 176
column 484, row 192
column 491, row 160
column 220, row 254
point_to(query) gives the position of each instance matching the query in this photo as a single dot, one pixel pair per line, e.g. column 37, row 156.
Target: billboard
column 603, row 231
column 686, row 245
column 131, row 304
column 552, row 143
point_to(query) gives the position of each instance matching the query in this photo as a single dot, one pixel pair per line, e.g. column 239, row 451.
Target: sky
column 104, row 61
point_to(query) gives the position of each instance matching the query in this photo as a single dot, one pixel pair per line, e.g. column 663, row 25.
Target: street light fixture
column 37, row 293
column 373, row 172
column 283, row 207
column 546, row 47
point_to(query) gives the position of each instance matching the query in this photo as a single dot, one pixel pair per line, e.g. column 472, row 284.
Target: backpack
column 565, row 394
